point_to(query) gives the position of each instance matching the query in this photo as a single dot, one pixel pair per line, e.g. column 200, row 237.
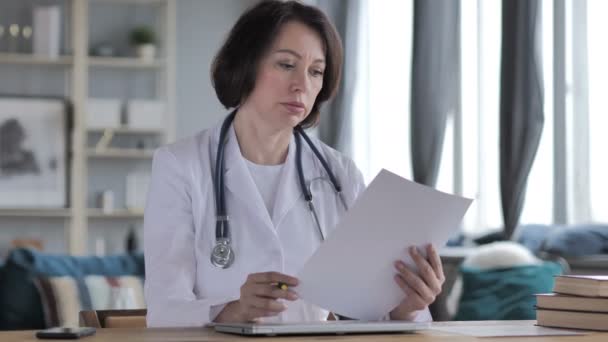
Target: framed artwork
column 33, row 152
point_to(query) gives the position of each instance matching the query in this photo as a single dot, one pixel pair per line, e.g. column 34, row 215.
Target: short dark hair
column 234, row 68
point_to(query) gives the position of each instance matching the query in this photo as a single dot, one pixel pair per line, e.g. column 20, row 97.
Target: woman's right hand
column 259, row 298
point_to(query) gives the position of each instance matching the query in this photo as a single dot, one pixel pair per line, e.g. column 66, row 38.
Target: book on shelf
column 582, row 285
column 556, row 301
column 572, row 319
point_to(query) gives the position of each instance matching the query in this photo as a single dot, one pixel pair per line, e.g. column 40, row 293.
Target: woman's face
column 289, row 78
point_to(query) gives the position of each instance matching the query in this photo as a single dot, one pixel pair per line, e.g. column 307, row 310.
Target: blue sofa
column 20, row 304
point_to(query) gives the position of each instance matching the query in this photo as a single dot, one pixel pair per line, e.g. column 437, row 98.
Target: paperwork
column 352, row 272
column 503, row 330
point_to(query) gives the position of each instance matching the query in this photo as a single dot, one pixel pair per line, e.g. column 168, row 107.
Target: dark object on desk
column 60, row 333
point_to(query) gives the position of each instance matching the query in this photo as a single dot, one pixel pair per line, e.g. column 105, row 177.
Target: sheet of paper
column 504, row 330
column 352, row 271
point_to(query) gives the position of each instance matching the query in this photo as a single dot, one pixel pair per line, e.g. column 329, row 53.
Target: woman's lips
column 293, row 107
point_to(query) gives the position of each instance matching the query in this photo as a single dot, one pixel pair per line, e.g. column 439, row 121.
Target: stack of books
column 579, row 302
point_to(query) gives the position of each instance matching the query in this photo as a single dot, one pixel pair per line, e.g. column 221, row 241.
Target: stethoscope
column 222, row 255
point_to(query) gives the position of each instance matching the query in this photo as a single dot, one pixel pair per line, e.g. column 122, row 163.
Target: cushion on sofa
column 566, row 241
column 578, row 241
column 504, row 294
column 64, row 297
column 20, row 302
column 533, row 236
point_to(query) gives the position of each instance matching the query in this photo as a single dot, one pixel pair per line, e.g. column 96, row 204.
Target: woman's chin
column 292, row 120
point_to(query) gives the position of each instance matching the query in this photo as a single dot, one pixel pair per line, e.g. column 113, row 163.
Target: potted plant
column 143, row 39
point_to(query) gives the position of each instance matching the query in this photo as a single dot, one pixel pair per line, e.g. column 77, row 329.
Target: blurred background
column 500, row 101
column 135, row 74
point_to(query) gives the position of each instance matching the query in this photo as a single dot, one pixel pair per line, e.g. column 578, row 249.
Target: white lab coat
column 182, row 287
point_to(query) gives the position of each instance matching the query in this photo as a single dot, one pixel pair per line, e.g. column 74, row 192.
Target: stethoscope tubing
column 222, row 255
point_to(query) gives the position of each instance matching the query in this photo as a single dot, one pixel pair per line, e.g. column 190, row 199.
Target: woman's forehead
column 299, row 39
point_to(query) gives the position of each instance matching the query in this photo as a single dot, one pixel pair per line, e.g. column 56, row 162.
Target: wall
column 202, row 25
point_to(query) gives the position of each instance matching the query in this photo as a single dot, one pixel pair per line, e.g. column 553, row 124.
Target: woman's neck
column 259, row 143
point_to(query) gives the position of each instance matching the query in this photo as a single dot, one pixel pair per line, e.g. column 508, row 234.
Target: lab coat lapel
column 239, row 182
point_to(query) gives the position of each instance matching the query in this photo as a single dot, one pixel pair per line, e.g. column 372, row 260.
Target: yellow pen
column 282, row 286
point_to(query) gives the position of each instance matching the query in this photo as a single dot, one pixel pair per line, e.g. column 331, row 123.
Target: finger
column 273, row 277
column 427, row 273
column 271, row 291
column 415, row 282
column 266, row 304
column 435, row 261
column 412, row 297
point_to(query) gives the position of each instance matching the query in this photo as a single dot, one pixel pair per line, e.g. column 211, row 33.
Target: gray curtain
column 435, row 83
column 336, row 121
column 521, row 104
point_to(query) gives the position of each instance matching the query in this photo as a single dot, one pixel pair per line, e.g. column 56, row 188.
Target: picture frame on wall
column 34, row 140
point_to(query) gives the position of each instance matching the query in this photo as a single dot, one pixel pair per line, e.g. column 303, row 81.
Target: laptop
column 320, row 328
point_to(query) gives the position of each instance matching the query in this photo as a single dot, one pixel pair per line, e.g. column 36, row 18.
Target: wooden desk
column 205, row 334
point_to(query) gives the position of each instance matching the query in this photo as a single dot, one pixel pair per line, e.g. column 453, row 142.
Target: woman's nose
column 299, row 82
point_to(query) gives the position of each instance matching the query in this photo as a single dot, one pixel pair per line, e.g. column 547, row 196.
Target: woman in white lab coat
column 280, row 62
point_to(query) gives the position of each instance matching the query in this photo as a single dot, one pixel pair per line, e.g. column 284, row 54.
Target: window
column 598, row 107
column 538, row 206
column 381, row 120
column 470, row 159
column 480, row 56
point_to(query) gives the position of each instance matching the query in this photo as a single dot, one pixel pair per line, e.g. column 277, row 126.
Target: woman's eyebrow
column 297, row 55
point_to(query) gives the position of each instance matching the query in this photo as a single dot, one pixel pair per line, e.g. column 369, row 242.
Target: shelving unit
column 121, row 153
column 115, row 214
column 28, row 59
column 45, row 213
column 125, row 62
column 124, row 130
column 78, row 68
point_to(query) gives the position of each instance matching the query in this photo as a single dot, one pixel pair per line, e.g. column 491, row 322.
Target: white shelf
column 29, row 59
column 130, row 2
column 115, row 214
column 125, row 62
column 40, row 212
column 116, row 153
column 126, row 130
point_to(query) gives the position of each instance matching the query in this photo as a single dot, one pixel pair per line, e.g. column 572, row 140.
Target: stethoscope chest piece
column 222, row 255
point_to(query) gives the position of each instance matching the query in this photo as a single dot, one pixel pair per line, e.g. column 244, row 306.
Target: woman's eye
column 286, row 66
column 317, row 73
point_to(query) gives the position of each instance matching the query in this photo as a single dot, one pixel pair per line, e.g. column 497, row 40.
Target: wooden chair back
column 113, row 318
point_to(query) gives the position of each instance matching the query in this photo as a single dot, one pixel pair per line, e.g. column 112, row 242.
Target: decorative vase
column 146, row 52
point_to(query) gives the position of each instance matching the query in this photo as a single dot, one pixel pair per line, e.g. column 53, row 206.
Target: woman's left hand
column 420, row 289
